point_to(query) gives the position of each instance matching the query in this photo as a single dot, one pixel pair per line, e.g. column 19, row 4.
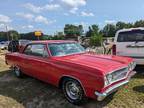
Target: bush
column 95, row 40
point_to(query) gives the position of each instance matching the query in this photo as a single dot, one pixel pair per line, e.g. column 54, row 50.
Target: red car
column 67, row 65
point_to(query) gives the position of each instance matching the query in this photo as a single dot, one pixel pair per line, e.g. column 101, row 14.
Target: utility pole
column 7, row 33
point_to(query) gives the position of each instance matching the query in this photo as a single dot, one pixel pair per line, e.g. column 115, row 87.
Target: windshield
column 131, row 36
column 62, row 49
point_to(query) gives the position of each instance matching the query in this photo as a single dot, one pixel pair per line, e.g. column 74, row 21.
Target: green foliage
column 95, row 40
column 139, row 23
column 95, row 35
column 109, row 30
column 28, row 36
column 10, row 35
column 13, row 35
column 72, row 30
column 122, row 25
column 94, row 29
column 3, row 36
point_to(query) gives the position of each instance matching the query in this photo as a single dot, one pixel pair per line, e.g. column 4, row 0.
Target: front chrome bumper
column 101, row 96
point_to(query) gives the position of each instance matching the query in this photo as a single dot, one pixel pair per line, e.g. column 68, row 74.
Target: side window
column 28, row 50
column 36, row 50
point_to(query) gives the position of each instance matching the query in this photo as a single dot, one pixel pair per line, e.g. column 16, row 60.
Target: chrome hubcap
column 72, row 90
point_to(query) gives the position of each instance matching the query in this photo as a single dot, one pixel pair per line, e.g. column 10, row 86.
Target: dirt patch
column 7, row 102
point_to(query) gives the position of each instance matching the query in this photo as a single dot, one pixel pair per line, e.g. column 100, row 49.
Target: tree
column 109, row 30
column 58, row 36
column 81, row 30
column 13, row 35
column 95, row 29
column 92, row 29
column 28, row 36
column 72, row 30
column 89, row 32
column 95, row 35
column 10, row 35
column 139, row 23
column 3, row 36
column 121, row 25
column 95, row 39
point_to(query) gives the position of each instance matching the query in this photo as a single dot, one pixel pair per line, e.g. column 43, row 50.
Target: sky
column 50, row 16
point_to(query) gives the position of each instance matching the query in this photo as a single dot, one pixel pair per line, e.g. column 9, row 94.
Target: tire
column 17, row 72
column 73, row 91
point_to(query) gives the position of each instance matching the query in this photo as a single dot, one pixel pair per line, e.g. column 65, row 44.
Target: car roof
column 130, row 29
column 53, row 41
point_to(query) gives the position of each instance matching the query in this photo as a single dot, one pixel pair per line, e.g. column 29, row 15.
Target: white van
column 130, row 42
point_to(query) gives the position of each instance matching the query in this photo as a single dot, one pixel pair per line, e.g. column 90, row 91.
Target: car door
column 36, row 62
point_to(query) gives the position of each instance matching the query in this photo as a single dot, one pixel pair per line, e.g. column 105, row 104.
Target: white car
column 130, row 43
column 3, row 46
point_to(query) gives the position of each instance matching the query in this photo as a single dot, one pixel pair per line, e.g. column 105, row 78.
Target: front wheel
column 73, row 91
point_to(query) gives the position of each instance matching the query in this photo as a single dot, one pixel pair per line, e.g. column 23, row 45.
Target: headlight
column 108, row 79
column 131, row 66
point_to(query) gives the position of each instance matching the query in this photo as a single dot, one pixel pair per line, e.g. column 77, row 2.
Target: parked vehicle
column 16, row 45
column 66, row 65
column 130, row 43
column 3, row 45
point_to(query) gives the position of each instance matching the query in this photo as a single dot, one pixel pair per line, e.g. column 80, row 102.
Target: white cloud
column 33, row 8
column 37, row 19
column 84, row 24
column 41, row 19
column 44, row 20
column 10, row 28
column 110, row 21
column 3, row 27
column 74, row 3
column 28, row 27
column 38, row 9
column 5, row 19
column 51, row 7
column 87, row 14
column 26, row 15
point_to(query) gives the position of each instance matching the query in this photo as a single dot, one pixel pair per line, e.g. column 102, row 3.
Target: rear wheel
column 17, row 72
column 73, row 91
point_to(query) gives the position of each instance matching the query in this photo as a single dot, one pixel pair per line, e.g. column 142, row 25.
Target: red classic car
column 67, row 65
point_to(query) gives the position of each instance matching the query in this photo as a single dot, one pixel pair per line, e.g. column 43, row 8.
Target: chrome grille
column 119, row 74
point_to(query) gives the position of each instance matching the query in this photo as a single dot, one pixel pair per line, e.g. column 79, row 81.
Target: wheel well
column 61, row 81
column 67, row 77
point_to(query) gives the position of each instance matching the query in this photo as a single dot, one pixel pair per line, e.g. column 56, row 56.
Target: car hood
column 104, row 63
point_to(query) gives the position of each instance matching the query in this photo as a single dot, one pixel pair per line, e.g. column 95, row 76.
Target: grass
column 31, row 93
